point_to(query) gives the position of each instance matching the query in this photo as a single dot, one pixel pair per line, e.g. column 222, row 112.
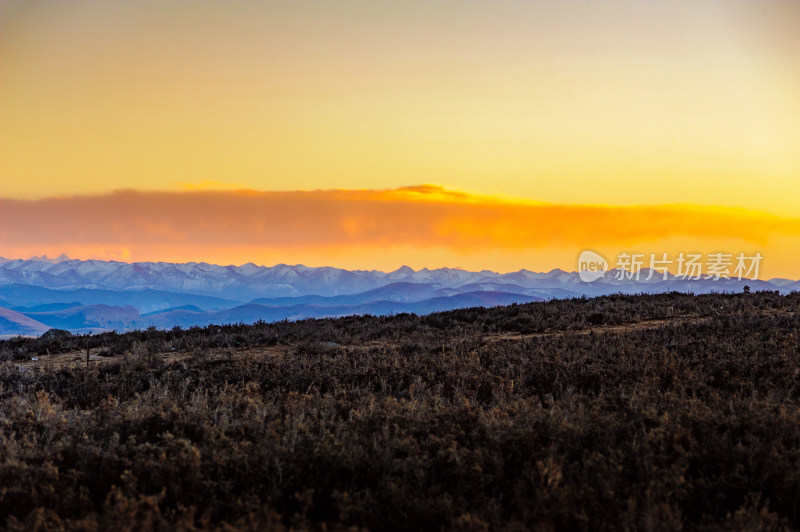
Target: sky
column 486, row 135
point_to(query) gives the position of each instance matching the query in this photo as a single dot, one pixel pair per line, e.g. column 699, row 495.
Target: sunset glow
column 419, row 226
column 301, row 131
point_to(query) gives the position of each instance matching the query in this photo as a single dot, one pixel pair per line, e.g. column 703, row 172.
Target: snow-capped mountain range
column 99, row 295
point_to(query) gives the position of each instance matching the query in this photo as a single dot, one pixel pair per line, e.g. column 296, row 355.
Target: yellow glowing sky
column 614, row 103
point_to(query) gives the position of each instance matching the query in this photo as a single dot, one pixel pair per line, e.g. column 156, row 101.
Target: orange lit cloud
column 421, row 225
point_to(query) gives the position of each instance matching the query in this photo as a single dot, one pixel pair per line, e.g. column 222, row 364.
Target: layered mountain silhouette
column 94, row 296
column 13, row 323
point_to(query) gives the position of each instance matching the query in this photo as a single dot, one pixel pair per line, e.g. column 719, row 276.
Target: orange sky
column 382, row 229
column 623, row 104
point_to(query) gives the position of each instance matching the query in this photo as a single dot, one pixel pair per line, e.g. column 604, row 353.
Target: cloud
column 426, row 217
column 209, row 184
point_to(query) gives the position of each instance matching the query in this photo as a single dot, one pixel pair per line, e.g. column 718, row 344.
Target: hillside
column 621, row 412
column 14, row 324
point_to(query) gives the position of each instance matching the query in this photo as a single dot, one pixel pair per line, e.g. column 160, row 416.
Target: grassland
column 622, row 412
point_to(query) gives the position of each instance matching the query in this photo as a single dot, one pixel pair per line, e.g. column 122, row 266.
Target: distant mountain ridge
column 96, row 295
column 245, row 281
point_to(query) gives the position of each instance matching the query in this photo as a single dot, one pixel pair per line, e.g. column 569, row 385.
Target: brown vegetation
column 621, row 412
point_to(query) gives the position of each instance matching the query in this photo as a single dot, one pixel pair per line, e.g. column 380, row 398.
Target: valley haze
column 93, row 296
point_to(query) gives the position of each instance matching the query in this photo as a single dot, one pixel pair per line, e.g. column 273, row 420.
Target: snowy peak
column 95, row 295
column 250, row 281
column 61, row 258
column 403, row 270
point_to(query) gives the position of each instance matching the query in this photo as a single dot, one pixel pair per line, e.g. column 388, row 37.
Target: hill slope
column 635, row 412
column 13, row 323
